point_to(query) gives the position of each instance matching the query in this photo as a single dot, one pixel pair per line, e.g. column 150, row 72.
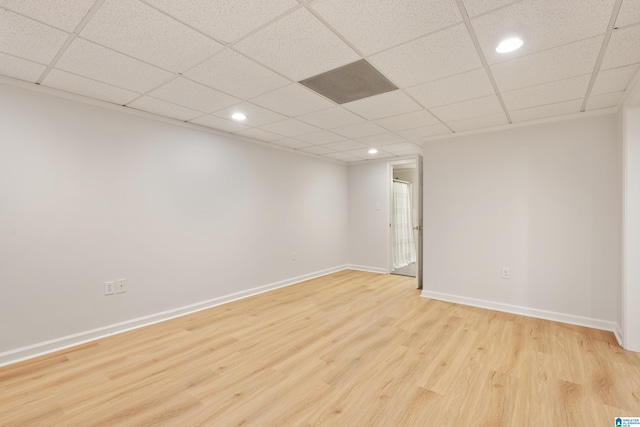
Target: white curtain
column 404, row 248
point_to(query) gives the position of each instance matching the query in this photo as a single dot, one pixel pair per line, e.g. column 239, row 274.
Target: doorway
column 405, row 219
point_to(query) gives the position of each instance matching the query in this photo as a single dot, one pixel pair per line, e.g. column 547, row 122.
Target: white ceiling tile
column 345, row 145
column 468, row 109
column 490, row 120
column 220, row 124
column 382, row 139
column 400, row 147
column 544, row 111
column 360, row 130
column 256, row 116
column 629, row 13
column 418, row 150
column 19, row 68
column 344, row 157
column 469, row 85
column 164, row 108
column 555, row 64
column 541, row 24
column 418, row 135
column 331, row 118
column 477, row 7
column 613, row 80
column 143, row 32
column 22, row 37
column 62, row 14
column 408, row 121
column 236, row 75
column 442, row 54
column 96, row 62
column 193, row 95
column 316, row 149
column 364, row 153
column 605, row 100
column 83, row 86
column 261, row 135
column 292, row 143
column 293, row 100
column 224, row 20
column 384, row 105
column 547, row 93
column 623, row 48
column 386, row 23
column 290, row 127
column 283, row 45
column 323, row 137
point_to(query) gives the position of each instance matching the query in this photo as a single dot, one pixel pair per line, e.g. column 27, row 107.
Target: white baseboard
column 50, row 346
column 524, row 311
column 366, row 268
column 617, row 331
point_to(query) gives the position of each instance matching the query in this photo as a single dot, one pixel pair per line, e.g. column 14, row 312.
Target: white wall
column 369, row 185
column 631, row 214
column 89, row 194
column 543, row 200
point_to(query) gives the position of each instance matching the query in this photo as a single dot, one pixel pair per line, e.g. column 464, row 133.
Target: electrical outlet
column 121, row 286
column 506, row 274
column 109, row 288
column 293, row 256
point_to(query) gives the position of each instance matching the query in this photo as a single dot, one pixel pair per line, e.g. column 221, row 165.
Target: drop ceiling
column 200, row 61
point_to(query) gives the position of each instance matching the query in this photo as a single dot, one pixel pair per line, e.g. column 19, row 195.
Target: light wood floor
column 349, row 349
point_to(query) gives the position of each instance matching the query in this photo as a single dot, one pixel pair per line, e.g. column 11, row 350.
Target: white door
column 419, row 223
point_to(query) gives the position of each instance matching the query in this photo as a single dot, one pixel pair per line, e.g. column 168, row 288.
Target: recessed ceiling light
column 509, row 45
column 373, row 151
column 238, row 116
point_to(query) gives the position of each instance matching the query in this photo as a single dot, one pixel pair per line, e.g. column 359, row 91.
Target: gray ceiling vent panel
column 350, row 82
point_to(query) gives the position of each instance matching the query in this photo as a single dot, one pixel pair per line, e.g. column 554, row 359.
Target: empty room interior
column 319, row 212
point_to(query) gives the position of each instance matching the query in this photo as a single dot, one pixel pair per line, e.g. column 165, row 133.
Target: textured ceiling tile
column 345, row 145
column 316, row 149
column 219, row 124
column 469, row 85
column 547, row 93
column 383, row 105
column 614, row 80
column 408, row 121
column 290, row 127
column 256, row 116
column 83, row 86
column 344, row 157
column 468, row 109
column 386, row 23
column 555, row 64
column 544, row 111
column 62, row 14
column 283, row 45
column 99, row 63
column 323, row 137
column 22, row 37
column 481, row 122
column 541, row 24
column 402, row 146
column 364, row 153
column 146, row 34
column 382, row 139
column 605, row 100
column 163, row 108
column 19, row 68
column 442, row 54
column 418, row 135
column 477, row 7
column 261, row 135
column 292, row 143
column 224, row 20
column 293, row 100
column 193, row 95
column 629, row 13
column 236, row 75
column 623, row 48
column 331, row 118
column 360, row 130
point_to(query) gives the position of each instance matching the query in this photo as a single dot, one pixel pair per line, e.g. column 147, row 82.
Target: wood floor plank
column 348, row 349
